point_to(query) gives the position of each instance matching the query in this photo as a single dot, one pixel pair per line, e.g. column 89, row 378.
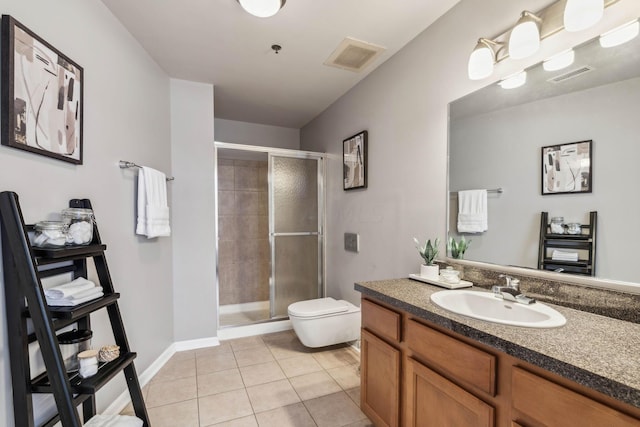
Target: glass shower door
column 295, row 230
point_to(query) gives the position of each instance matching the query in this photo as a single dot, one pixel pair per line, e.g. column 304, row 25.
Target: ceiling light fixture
column 262, row 8
column 559, row 61
column 524, row 40
column 582, row 14
column 620, row 35
column 514, row 81
column 482, row 59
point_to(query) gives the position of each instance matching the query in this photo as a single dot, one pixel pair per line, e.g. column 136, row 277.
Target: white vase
column 430, row 271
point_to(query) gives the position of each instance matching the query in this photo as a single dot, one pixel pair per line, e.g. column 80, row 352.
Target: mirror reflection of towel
column 472, row 211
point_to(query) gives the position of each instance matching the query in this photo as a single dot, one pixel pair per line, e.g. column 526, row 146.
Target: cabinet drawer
column 542, row 402
column 384, row 322
column 465, row 363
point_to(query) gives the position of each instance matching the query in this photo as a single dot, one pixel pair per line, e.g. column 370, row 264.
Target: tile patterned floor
column 267, row 380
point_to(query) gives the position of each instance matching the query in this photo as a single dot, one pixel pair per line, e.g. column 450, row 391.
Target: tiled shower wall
column 243, row 221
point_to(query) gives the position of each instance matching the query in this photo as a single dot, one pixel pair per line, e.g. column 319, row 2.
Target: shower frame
column 321, row 182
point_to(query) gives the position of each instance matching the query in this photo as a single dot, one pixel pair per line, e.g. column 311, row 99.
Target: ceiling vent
column 571, row 74
column 354, row 55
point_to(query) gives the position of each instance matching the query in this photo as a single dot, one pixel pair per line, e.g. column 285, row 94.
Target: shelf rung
column 91, row 385
column 82, row 310
column 48, row 256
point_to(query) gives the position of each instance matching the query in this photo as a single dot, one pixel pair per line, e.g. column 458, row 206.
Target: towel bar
column 124, row 164
column 498, row 190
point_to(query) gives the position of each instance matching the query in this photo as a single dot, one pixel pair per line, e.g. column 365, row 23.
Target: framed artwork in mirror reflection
column 42, row 95
column 354, row 153
column 567, row 168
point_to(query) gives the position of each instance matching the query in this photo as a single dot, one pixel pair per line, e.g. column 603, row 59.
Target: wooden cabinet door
column 380, row 381
column 434, row 401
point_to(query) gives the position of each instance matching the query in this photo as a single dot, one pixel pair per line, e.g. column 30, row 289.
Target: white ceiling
column 215, row 41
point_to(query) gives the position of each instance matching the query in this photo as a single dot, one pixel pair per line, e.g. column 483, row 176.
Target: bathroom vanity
column 424, row 366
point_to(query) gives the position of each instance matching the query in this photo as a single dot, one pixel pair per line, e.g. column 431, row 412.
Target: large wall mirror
column 495, row 141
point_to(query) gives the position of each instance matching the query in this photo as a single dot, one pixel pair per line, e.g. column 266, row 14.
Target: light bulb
column 524, row 40
column 620, row 35
column 559, row 61
column 582, row 14
column 514, row 81
column 262, row 8
column 481, row 61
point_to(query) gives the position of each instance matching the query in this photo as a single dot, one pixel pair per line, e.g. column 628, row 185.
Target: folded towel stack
column 564, row 256
column 73, row 293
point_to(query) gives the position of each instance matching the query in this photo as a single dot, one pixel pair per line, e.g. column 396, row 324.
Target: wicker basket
column 108, row 353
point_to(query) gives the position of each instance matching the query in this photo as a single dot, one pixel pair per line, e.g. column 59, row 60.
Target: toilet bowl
column 325, row 321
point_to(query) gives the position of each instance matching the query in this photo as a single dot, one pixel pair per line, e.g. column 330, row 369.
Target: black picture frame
column 567, row 168
column 41, row 96
column 354, row 155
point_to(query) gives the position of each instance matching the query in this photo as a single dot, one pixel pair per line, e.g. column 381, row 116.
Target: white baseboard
column 196, row 344
column 255, row 329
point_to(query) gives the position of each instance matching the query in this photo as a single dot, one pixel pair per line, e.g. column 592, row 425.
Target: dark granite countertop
column 593, row 350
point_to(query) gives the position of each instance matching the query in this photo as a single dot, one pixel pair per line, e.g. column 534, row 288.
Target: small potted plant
column 428, row 252
column 457, row 249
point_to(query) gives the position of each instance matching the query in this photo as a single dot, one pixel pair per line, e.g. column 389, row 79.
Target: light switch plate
column 352, row 242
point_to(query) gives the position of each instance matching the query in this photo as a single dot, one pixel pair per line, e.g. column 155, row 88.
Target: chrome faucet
column 511, row 292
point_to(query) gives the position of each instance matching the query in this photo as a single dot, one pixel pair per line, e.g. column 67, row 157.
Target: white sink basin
column 485, row 306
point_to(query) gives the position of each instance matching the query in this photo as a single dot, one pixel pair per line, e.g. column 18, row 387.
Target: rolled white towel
column 69, row 289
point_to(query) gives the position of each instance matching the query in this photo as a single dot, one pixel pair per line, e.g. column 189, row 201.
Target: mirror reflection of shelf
column 583, row 244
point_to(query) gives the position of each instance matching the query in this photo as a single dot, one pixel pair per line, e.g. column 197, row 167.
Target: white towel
column 114, row 421
column 472, row 211
column 153, row 211
column 557, row 255
column 72, row 301
column 69, row 289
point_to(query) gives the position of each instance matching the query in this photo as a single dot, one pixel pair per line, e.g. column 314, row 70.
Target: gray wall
column 257, row 134
column 126, row 116
column 192, row 157
column 403, row 105
column 502, row 149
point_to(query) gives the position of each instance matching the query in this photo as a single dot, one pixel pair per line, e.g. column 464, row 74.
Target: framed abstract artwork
column 354, row 153
column 42, row 94
column 567, row 168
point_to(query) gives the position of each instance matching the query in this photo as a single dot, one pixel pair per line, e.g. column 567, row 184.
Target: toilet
column 325, row 321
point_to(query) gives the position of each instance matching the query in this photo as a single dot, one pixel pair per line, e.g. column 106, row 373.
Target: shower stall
column 270, row 223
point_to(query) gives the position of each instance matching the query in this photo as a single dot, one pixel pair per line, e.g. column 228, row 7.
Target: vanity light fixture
column 559, row 61
column 620, row 35
column 524, row 40
column 582, row 14
column 262, row 8
column 482, row 59
column 514, row 81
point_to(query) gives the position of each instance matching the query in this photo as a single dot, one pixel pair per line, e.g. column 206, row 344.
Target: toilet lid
column 317, row 307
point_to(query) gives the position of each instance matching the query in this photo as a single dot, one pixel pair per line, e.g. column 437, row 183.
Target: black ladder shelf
column 585, row 242
column 24, row 267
